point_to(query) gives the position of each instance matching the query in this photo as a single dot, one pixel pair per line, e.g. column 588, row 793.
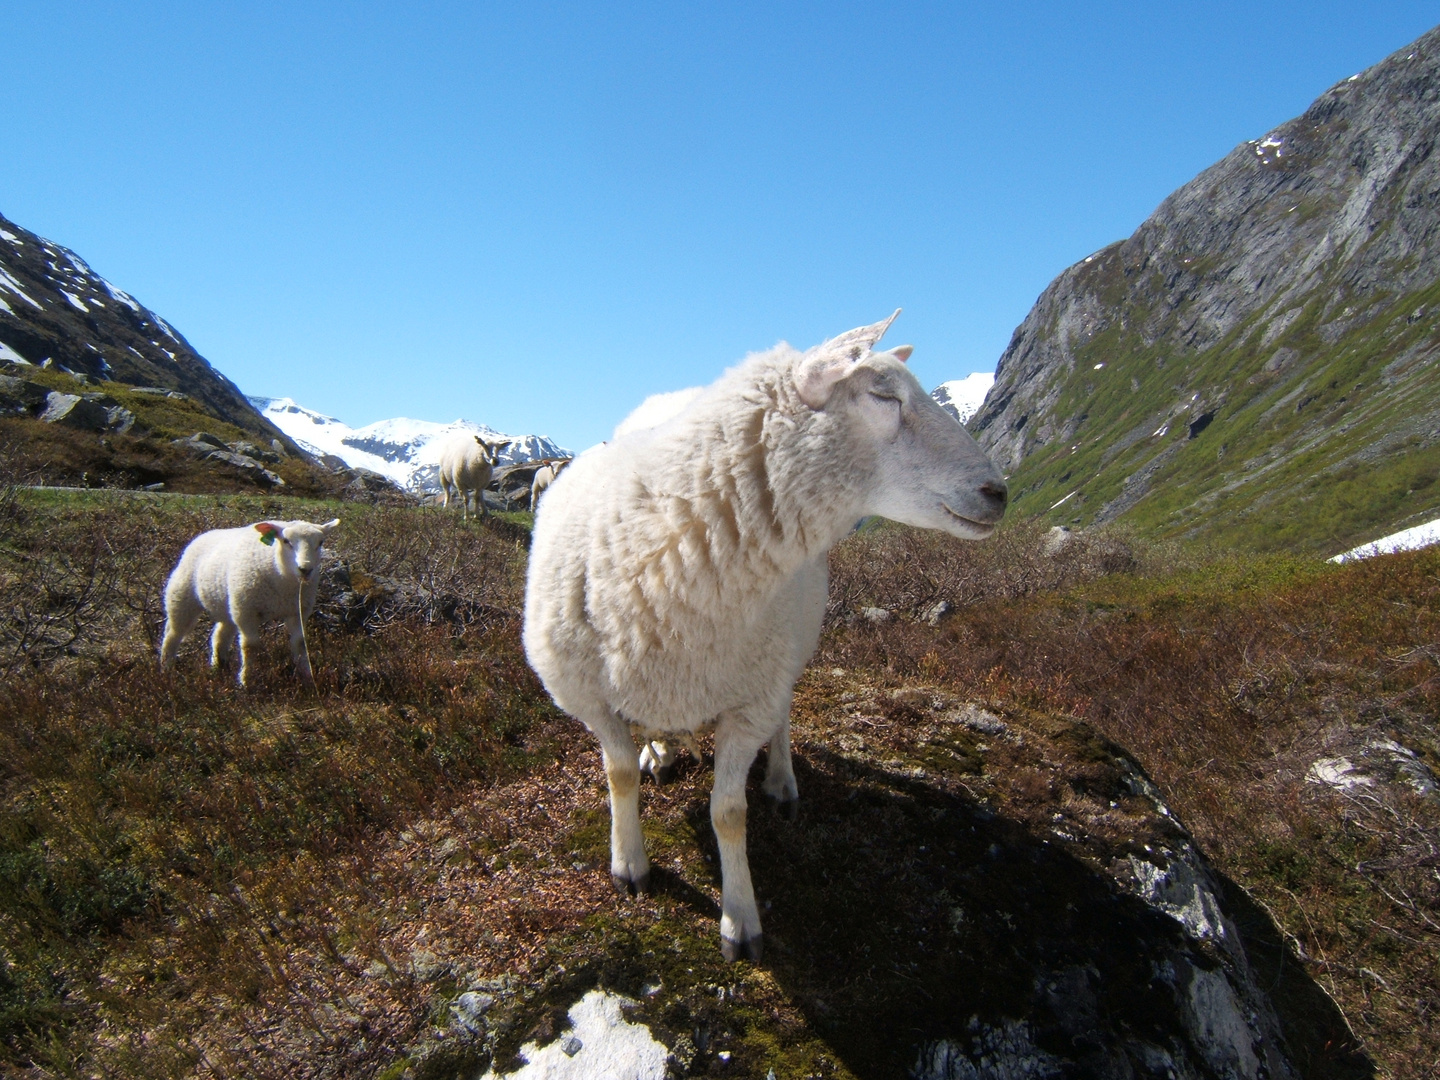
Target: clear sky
column 533, row 215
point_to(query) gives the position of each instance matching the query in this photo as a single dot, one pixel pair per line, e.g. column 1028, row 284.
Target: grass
column 201, row 881
column 1325, row 451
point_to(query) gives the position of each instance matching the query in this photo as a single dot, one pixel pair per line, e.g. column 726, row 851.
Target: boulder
column 248, row 465
column 74, row 411
column 21, row 396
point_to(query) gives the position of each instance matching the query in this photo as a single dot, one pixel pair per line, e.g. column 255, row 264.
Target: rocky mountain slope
column 54, row 309
column 404, row 450
column 1258, row 362
column 962, row 398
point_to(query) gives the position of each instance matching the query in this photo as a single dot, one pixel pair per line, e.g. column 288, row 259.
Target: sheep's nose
column 306, row 571
column 997, row 491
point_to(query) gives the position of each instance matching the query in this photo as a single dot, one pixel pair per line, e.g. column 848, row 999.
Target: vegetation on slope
column 201, row 881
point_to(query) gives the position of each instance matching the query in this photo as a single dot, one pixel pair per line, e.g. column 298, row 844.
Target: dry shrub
column 909, row 571
column 1227, row 681
column 160, row 835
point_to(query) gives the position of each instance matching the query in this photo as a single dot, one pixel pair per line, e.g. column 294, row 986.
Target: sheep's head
column 924, row 468
column 297, row 544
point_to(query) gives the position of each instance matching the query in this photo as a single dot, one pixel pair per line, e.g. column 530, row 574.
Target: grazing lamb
column 678, row 575
column 466, row 464
column 544, row 477
column 243, row 578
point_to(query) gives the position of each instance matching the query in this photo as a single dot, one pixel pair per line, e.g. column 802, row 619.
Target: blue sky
column 533, row 215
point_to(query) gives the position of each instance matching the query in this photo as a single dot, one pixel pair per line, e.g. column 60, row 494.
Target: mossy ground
column 201, row 881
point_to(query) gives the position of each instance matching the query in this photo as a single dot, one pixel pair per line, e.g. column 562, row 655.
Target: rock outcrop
column 1269, row 337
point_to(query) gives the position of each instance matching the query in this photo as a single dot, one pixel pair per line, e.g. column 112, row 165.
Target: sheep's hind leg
column 221, row 638
column 735, row 748
column 629, row 865
column 249, row 627
column 179, row 624
column 779, row 786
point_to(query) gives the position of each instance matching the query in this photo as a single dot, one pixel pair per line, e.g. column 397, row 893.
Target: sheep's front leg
column 249, row 626
column 298, row 652
column 779, row 784
column 735, row 748
column 629, row 865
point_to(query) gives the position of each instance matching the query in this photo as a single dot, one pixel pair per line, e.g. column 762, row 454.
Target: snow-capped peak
column 962, row 398
column 403, row 449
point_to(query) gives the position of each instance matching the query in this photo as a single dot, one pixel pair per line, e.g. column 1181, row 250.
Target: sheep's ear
column 825, row 365
column 902, row 352
column 330, row 524
column 268, row 531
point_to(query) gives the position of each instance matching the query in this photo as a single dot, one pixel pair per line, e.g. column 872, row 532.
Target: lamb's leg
column 221, row 639
column 180, row 620
column 735, row 747
column 297, row 648
column 249, row 626
column 779, row 785
column 629, row 866
column 658, row 759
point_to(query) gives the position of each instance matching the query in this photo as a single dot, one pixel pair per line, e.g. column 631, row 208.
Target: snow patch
column 962, row 398
column 7, row 353
column 1420, row 536
column 8, row 282
column 600, row 1045
column 75, row 301
column 404, row 450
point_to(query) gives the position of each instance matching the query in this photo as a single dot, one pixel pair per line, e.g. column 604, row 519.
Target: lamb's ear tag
column 267, row 532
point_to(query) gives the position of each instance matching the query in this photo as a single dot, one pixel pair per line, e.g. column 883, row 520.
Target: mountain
column 56, row 311
column 1260, row 362
column 407, row 451
column 962, row 398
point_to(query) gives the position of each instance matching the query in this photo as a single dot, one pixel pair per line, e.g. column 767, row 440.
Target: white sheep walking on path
column 243, row 578
column 466, row 464
column 678, row 574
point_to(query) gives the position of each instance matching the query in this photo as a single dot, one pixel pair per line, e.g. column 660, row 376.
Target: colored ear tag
column 267, row 532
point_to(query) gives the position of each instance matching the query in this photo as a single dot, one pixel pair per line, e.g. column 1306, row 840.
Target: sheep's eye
column 881, row 396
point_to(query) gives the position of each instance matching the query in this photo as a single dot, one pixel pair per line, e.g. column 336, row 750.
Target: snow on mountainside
column 962, row 398
column 405, row 450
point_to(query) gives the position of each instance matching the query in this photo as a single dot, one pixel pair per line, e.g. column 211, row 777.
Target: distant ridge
column 404, row 450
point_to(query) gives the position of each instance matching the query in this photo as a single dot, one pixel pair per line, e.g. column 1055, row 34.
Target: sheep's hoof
column 789, row 809
column 626, row 887
column 749, row 949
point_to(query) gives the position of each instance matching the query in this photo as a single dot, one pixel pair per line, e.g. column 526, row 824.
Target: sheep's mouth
column 979, row 529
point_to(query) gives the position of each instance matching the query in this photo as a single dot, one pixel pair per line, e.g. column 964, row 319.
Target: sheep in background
column 678, row 579
column 243, row 578
column 544, row 477
column 466, row 465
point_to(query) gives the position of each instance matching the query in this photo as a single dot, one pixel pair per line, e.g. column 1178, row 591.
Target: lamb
column 466, row 464
column 544, row 477
column 678, row 577
column 243, row 578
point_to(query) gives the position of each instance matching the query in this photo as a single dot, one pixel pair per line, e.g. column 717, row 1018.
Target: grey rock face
column 1286, row 249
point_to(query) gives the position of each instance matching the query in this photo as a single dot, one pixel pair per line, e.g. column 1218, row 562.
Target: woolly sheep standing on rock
column 544, row 477
column 466, row 465
column 678, row 574
column 243, row 578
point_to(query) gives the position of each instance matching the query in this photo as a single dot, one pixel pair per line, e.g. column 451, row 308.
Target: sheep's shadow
column 899, row 915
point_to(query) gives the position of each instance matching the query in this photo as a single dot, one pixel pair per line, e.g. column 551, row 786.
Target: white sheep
column 678, row 576
column 243, row 578
column 544, row 477
column 466, row 464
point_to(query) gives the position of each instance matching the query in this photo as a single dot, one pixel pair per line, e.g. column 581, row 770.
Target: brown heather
column 201, row 881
